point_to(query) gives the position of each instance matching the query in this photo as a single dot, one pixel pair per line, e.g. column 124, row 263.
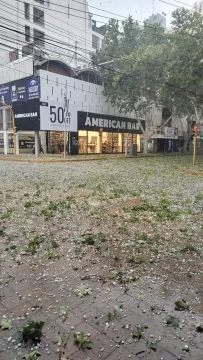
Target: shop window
column 93, row 142
column 82, row 142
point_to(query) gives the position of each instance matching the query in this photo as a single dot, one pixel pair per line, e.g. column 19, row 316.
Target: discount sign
column 53, row 116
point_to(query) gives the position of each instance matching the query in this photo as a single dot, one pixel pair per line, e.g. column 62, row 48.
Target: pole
column 194, row 150
column 66, row 108
column 14, row 130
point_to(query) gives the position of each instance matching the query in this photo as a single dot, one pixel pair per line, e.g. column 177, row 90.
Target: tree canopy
column 143, row 65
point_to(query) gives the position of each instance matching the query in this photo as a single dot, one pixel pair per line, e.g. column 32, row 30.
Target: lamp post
column 13, row 123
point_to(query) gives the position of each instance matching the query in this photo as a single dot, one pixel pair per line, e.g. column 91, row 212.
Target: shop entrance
column 89, row 142
column 57, row 142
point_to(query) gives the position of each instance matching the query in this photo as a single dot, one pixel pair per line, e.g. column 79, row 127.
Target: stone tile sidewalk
column 122, row 323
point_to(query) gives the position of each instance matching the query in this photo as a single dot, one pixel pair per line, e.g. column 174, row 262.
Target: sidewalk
column 71, row 158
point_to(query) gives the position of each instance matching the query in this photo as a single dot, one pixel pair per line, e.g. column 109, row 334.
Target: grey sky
column 140, row 10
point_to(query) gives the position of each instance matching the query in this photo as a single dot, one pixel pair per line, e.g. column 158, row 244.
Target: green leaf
column 32, row 355
column 6, row 324
column 172, row 321
column 199, row 328
column 153, row 346
column 82, row 341
column 181, row 305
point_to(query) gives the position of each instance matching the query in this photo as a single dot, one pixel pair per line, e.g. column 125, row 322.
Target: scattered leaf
column 181, row 305
column 82, row 341
column 6, row 324
column 172, row 321
column 32, row 355
column 199, row 328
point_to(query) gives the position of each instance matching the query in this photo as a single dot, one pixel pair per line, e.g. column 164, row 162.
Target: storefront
column 116, row 133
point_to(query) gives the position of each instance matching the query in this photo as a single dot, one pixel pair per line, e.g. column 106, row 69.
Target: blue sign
column 23, row 90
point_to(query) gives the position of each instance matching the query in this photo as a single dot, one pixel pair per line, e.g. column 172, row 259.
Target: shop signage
column 109, row 123
column 23, row 90
column 27, row 115
column 53, row 116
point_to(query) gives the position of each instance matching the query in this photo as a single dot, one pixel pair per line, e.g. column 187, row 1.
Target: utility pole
column 66, row 110
column 195, row 130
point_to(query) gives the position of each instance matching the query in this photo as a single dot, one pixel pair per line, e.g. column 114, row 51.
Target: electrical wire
column 50, row 25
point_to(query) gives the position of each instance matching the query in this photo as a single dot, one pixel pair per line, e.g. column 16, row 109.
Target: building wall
column 158, row 18
column 67, row 28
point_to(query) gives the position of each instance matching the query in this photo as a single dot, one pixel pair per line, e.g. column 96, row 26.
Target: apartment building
column 47, row 29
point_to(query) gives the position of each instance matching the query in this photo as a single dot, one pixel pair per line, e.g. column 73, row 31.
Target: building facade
column 43, row 102
column 42, row 29
column 159, row 19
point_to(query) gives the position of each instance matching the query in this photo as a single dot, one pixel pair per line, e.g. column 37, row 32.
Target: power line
column 49, row 24
column 48, row 2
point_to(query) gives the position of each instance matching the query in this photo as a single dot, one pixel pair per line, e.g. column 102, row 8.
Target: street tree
column 144, row 67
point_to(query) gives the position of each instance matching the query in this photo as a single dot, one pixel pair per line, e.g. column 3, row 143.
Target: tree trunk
column 145, row 150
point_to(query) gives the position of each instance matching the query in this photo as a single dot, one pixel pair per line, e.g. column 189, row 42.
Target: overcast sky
column 140, row 10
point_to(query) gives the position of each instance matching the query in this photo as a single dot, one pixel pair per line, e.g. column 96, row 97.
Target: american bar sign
column 91, row 121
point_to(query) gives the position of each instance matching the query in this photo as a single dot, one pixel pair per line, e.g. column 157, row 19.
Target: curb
column 41, row 160
column 190, row 171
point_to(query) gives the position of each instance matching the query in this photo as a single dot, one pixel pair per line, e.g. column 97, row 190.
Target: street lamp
column 13, row 122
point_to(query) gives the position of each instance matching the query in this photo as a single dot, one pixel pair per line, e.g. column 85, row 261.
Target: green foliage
column 32, row 355
column 172, row 321
column 2, row 233
column 82, row 341
column 82, row 290
column 33, row 245
column 188, row 248
column 6, row 324
column 54, row 244
column 181, row 305
column 93, row 239
column 161, row 211
column 6, row 215
column 199, row 328
column 28, row 204
column 31, row 331
column 115, row 315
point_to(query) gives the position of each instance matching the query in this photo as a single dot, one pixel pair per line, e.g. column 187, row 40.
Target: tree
column 132, row 69
column 145, row 67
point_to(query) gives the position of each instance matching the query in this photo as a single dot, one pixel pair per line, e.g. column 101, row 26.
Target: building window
column 95, row 42
column 89, row 21
column 40, row 1
column 27, row 11
column 38, row 16
column 27, row 33
column 39, row 38
column 166, row 113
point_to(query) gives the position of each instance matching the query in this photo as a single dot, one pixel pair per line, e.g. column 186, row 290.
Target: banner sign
column 27, row 115
column 23, row 90
column 109, row 123
column 53, row 116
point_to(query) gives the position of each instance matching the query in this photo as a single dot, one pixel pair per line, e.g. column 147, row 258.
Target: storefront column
column 43, row 140
column 17, row 145
column 37, row 146
column 6, row 143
